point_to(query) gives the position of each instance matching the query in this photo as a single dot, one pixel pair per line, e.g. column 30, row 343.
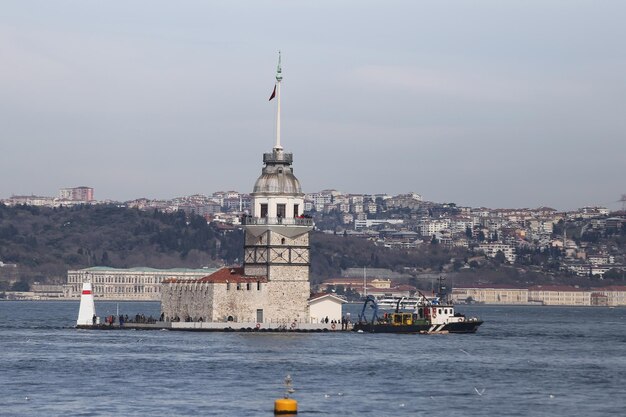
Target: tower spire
column 279, row 77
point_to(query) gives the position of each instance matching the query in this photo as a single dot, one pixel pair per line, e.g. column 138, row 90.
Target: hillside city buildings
column 84, row 194
column 67, row 197
column 407, row 221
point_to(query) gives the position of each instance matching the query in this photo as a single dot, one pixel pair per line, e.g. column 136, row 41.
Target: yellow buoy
column 285, row 406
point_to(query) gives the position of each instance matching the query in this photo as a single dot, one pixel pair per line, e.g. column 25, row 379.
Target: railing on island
column 269, row 221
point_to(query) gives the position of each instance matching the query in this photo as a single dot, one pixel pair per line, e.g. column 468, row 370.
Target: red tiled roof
column 610, row 288
column 556, row 288
column 224, row 275
column 233, row 274
column 488, row 286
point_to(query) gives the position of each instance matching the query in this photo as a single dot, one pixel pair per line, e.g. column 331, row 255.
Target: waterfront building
column 126, row 284
column 490, row 294
column 44, row 291
column 549, row 295
column 273, row 285
column 613, row 296
column 559, row 295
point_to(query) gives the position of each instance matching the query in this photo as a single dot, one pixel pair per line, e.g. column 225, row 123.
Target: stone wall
column 276, row 239
column 288, row 273
column 287, row 301
column 256, row 270
column 282, row 302
column 182, row 300
column 237, row 301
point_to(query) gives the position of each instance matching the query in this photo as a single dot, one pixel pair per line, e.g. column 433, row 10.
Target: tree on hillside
column 21, row 286
column 500, row 258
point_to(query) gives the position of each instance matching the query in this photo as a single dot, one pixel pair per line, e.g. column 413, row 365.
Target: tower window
column 282, row 241
column 280, row 210
column 296, row 210
column 263, row 210
column 258, row 285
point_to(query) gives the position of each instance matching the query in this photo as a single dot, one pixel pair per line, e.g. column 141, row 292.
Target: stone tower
column 277, row 233
column 272, row 288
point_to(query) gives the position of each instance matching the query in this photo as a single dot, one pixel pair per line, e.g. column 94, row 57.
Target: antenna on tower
column 623, row 201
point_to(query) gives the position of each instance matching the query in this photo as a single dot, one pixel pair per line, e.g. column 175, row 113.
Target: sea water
column 523, row 361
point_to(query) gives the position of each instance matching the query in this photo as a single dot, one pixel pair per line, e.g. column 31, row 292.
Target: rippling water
column 524, row 361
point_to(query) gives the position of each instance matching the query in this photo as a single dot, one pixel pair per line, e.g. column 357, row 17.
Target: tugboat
column 429, row 316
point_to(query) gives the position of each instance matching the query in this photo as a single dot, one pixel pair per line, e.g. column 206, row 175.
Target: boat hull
column 459, row 327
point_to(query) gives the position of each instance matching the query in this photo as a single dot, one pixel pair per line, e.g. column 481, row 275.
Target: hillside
column 45, row 243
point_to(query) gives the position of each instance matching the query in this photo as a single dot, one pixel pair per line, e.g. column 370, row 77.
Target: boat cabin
column 435, row 314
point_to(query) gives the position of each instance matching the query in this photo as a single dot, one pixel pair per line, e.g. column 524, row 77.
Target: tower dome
column 277, row 175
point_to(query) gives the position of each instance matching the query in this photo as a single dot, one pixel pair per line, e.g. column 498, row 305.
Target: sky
column 492, row 103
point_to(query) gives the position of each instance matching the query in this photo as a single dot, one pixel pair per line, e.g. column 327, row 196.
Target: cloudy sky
column 483, row 103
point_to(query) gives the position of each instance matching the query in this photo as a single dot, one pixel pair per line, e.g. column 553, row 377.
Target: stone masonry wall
column 276, row 239
column 182, row 300
column 240, row 304
column 281, row 302
column 288, row 273
column 287, row 301
column 257, row 270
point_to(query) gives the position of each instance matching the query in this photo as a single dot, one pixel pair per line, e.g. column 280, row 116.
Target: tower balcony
column 277, row 158
column 275, row 221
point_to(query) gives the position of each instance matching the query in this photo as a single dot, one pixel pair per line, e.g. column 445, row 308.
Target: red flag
column 273, row 93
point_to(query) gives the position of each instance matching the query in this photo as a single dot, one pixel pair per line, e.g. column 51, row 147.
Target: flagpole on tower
column 279, row 77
